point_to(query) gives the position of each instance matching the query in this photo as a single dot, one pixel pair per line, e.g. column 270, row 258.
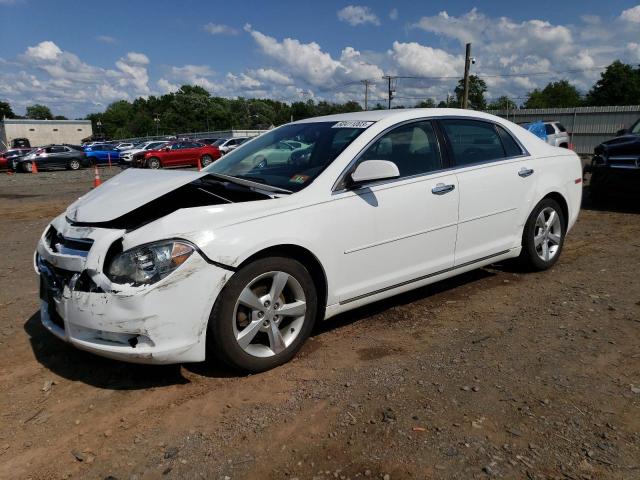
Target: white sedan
column 240, row 260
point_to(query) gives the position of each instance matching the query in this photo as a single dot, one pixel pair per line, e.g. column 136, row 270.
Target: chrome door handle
column 525, row 172
column 441, row 189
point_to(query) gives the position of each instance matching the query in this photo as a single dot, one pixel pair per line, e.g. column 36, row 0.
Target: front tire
column 154, row 163
column 263, row 315
column 73, row 165
column 543, row 236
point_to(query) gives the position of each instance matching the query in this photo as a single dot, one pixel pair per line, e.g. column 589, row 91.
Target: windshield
column 636, row 128
column 290, row 157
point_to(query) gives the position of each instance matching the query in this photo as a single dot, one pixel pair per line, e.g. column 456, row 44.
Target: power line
column 503, row 75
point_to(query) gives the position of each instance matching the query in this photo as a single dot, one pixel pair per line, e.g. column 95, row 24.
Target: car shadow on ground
column 447, row 286
column 73, row 364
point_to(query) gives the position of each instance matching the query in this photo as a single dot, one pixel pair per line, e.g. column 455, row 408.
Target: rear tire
column 73, row 164
column 255, row 325
column 543, row 236
column 26, row 167
column 154, row 163
column 206, row 160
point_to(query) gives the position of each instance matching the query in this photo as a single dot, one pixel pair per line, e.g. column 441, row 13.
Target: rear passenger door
column 496, row 180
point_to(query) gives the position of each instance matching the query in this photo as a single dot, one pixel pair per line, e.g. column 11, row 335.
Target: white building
column 44, row 132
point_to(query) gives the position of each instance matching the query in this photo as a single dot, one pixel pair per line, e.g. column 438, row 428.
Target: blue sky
column 78, row 56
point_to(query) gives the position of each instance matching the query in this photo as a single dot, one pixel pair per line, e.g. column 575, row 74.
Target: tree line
column 193, row 109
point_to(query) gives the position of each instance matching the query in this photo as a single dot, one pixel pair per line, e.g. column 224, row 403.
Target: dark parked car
column 616, row 162
column 177, row 154
column 8, row 158
column 71, row 157
column 20, row 143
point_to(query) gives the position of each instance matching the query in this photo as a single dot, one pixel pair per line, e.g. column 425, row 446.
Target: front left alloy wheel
column 263, row 315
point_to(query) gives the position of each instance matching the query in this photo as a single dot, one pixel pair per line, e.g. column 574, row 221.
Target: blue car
column 102, row 153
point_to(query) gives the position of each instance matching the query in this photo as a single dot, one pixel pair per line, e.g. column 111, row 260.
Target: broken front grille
column 68, row 246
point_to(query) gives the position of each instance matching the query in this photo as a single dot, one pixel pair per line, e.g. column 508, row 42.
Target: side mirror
column 372, row 170
column 621, row 132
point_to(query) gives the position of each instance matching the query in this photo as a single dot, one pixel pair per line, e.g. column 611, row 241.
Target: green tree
column 39, row 112
column 559, row 94
column 477, row 89
column 619, row 84
column 6, row 111
column 502, row 103
column 60, row 117
column 427, row 103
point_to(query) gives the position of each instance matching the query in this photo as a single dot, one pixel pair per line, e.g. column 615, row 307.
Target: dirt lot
column 493, row 374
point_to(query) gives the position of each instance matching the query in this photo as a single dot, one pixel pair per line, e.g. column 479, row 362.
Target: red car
column 6, row 157
column 177, row 154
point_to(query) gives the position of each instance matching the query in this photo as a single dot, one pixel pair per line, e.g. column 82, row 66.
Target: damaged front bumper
column 161, row 323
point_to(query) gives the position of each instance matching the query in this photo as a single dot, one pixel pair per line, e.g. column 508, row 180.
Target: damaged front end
column 105, row 291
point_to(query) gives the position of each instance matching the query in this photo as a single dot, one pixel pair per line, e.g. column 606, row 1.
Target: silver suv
column 556, row 134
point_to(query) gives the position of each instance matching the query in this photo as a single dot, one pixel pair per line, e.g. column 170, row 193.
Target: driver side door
column 409, row 223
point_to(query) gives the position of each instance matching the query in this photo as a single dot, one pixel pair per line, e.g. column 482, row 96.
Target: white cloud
column 271, row 76
column 358, row 15
column 106, row 39
column 415, row 59
column 631, row 14
column 220, row 29
column 46, row 50
column 393, row 14
column 134, row 72
column 304, row 60
column 166, row 86
column 243, row 81
column 200, row 75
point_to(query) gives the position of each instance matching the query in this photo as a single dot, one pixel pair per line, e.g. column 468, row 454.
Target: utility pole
column 366, row 84
column 467, row 64
column 390, row 90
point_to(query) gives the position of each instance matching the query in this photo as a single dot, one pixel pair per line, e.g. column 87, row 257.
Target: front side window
column 473, row 141
column 264, row 161
column 548, row 128
column 412, row 147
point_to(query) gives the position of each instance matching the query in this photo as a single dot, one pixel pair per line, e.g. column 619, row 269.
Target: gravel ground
column 495, row 373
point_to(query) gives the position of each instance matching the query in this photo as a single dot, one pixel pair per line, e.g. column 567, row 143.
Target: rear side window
column 511, row 147
column 560, row 127
column 412, row 147
column 473, row 141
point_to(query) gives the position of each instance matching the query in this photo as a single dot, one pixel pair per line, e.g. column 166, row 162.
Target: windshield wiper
column 239, row 180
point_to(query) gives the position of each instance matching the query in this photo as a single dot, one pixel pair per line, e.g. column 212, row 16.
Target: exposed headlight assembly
column 148, row 263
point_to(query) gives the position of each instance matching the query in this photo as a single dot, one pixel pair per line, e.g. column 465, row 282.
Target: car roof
column 399, row 114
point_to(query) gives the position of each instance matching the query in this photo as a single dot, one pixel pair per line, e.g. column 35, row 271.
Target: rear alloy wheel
column 263, row 315
column 543, row 235
column 74, row 164
column 206, row 160
column 154, row 163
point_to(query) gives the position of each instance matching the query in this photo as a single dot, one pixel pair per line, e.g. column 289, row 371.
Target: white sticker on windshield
column 352, row 124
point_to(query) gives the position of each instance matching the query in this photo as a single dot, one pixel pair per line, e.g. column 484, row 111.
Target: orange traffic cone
column 96, row 177
column 199, row 165
column 34, row 167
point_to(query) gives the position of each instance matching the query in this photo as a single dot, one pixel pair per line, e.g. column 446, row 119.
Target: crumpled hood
column 125, row 192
